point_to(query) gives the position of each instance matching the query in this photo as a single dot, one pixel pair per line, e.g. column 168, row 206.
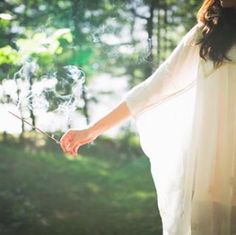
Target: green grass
column 43, row 193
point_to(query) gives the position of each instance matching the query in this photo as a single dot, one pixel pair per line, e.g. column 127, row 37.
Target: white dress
column 185, row 115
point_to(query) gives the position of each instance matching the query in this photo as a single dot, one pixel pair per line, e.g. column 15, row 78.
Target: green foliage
column 8, row 55
column 36, row 22
column 9, row 59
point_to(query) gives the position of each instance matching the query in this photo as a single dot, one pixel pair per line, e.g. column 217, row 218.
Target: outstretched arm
column 173, row 77
column 73, row 139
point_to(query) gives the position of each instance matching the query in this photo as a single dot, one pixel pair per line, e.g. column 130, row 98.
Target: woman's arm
column 73, row 139
column 176, row 74
column 116, row 116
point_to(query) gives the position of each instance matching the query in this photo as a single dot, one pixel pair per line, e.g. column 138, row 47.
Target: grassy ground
column 44, row 193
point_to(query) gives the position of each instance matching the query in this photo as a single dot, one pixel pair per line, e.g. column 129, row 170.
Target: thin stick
column 22, row 119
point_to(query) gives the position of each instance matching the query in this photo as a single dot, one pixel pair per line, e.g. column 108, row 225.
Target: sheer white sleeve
column 173, row 77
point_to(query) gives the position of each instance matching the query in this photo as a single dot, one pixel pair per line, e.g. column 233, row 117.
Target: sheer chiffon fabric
column 185, row 115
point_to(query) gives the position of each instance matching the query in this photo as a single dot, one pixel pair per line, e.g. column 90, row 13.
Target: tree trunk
column 150, row 36
column 20, row 109
column 76, row 14
column 165, row 25
column 158, row 36
column 32, row 116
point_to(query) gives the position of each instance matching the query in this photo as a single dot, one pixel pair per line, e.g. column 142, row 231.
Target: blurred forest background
column 102, row 48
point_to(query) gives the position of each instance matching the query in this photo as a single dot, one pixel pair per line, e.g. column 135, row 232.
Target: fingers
column 75, row 150
column 69, row 143
column 74, row 147
column 65, row 140
column 73, row 139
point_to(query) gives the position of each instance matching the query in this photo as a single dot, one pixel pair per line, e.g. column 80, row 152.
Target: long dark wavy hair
column 218, row 32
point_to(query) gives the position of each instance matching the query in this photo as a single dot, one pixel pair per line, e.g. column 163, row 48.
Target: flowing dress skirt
column 190, row 141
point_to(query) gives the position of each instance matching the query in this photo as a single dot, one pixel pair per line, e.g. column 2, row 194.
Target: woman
column 195, row 175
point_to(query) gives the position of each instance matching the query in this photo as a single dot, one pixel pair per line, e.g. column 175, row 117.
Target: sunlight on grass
column 103, row 172
column 143, row 195
column 93, row 187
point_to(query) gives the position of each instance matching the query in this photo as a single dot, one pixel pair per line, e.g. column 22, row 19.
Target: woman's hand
column 73, row 139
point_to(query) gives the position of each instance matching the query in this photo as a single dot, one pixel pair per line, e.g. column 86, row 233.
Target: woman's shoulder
column 193, row 35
